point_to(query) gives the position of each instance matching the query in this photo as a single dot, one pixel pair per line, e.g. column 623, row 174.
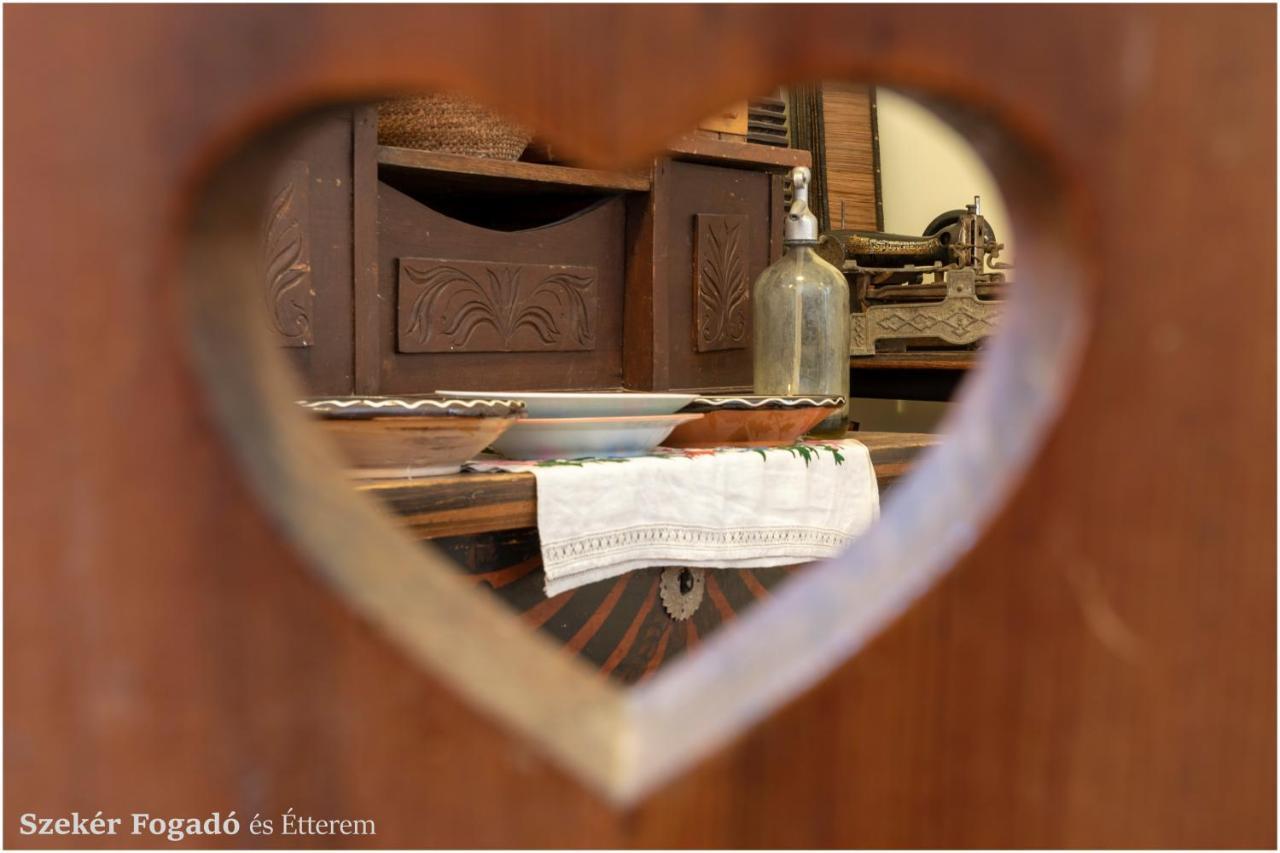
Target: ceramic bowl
column 392, row 437
column 751, row 421
column 586, row 404
column 584, row 438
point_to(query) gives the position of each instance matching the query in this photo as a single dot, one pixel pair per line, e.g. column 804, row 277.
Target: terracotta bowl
column 751, row 421
column 392, row 437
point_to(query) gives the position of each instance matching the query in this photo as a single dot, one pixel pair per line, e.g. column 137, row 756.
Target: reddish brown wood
column 628, row 640
column 1098, row 670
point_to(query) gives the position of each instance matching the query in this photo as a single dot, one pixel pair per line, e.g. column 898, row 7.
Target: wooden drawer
column 463, row 306
column 715, row 230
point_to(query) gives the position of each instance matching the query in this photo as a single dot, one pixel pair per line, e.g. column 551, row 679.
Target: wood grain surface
column 695, row 148
column 590, row 249
column 457, row 504
column 965, row 360
column 514, row 175
column 851, row 150
column 1097, row 670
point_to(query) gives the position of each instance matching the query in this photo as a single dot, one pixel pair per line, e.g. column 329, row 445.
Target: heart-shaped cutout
column 624, row 741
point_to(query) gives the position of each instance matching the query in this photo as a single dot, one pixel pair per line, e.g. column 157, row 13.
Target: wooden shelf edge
column 511, row 170
column 466, row 504
column 689, row 147
column 773, row 158
column 915, row 361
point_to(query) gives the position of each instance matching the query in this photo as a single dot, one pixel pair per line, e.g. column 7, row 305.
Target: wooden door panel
column 715, row 231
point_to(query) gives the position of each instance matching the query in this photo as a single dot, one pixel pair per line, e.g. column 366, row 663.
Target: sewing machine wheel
column 831, row 250
column 947, row 225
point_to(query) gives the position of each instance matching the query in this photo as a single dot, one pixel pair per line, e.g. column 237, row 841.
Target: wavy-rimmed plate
column 424, row 436
column 751, row 420
column 762, row 401
column 586, row 404
column 585, row 438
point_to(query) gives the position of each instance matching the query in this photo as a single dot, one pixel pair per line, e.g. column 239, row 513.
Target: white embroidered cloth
column 727, row 508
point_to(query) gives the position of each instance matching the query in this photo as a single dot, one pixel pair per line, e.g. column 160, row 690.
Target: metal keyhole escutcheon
column 681, row 589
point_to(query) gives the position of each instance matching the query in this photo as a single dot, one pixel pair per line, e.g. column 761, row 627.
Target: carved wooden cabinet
column 396, row 271
column 463, row 306
column 307, row 254
column 391, row 271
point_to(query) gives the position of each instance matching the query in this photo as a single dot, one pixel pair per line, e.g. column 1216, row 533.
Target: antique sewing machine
column 942, row 290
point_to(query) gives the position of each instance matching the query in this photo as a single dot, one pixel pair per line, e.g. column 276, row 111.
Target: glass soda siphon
column 801, row 318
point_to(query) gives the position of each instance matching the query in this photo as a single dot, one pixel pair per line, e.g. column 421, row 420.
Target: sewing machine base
column 959, row 318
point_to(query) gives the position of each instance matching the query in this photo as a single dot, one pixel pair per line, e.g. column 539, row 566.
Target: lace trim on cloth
column 689, row 538
column 712, row 508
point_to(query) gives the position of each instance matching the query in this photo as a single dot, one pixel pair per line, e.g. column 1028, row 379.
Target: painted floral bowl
column 419, row 436
column 751, row 421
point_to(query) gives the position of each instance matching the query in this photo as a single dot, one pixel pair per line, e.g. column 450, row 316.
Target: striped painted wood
column 619, row 624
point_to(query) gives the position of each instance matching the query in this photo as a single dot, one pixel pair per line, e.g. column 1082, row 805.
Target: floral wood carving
column 289, row 294
column 477, row 306
column 722, row 294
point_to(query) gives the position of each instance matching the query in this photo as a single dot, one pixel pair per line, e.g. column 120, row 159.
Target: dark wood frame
column 875, row 156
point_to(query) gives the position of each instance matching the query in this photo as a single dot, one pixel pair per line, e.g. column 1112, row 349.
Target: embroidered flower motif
column 806, row 450
column 692, row 452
